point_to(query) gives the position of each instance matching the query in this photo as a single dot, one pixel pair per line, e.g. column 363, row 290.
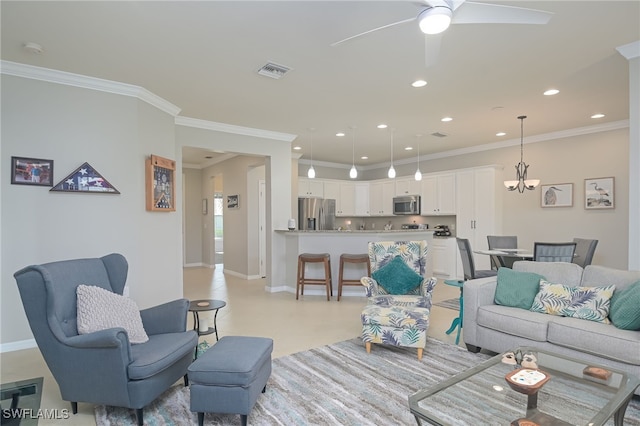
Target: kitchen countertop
column 365, row 231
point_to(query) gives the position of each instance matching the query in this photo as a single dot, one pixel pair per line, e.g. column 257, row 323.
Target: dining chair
column 502, row 242
column 468, row 265
column 554, row 252
column 584, row 251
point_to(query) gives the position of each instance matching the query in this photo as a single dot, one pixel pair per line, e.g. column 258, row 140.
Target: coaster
column 203, row 303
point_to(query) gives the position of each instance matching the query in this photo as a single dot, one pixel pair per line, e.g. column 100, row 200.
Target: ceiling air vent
column 273, row 70
column 439, row 135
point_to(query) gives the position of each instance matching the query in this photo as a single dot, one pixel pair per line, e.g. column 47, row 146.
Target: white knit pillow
column 100, row 309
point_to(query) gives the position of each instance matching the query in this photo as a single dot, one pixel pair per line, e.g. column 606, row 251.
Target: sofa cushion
column 397, row 277
column 100, row 309
column 514, row 321
column 595, row 275
column 625, row 307
column 159, row 353
column 516, row 289
column 595, row 338
column 556, row 272
column 589, row 303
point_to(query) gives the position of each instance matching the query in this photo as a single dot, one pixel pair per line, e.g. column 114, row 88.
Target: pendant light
column 311, row 173
column 521, row 183
column 353, row 173
column 418, row 175
column 392, row 172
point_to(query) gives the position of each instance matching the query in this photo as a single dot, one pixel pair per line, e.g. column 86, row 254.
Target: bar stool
column 305, row 258
column 351, row 258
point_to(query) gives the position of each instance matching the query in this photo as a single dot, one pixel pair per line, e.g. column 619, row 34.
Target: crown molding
column 85, row 82
column 231, row 128
column 630, row 51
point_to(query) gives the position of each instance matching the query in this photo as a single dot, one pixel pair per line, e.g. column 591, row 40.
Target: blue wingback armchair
column 103, row 367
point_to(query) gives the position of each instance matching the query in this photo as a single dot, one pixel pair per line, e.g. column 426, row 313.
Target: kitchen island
column 336, row 243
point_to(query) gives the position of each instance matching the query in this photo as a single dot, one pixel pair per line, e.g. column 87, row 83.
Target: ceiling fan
column 436, row 15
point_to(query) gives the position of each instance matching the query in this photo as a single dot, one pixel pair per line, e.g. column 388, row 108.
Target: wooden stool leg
column 340, row 275
column 420, row 353
column 327, row 279
column 367, row 345
column 299, row 278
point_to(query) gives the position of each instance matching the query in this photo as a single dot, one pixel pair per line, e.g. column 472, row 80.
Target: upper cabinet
column 407, row 186
column 362, row 199
column 346, row 202
column 438, row 195
column 381, row 195
column 310, row 188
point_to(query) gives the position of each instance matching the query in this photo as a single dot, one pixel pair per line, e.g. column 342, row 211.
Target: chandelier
column 522, row 182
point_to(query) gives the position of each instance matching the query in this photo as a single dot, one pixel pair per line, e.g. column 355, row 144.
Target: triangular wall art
column 85, row 179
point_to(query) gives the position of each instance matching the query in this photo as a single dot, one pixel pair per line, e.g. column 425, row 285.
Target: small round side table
column 457, row 322
column 203, row 305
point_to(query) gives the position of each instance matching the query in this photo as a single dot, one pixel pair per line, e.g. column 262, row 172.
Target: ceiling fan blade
column 484, row 13
column 404, row 21
column 431, row 49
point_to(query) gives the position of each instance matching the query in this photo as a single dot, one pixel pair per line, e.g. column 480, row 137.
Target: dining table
column 508, row 256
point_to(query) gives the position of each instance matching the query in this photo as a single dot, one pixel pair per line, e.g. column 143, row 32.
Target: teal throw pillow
column 516, row 289
column 397, row 277
column 625, row 308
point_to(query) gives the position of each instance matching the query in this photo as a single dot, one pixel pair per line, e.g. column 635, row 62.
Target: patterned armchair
column 397, row 319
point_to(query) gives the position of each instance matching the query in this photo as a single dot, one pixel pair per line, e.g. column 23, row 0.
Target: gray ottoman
column 229, row 376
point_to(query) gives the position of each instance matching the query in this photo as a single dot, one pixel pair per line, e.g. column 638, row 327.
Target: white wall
column 113, row 133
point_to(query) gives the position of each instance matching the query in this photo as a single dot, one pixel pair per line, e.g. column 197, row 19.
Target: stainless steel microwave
column 406, row 205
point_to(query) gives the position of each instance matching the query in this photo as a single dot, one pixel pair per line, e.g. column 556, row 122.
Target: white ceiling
column 203, row 57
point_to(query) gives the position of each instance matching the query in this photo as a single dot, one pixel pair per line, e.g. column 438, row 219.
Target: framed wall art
column 233, row 201
column 85, row 179
column 31, row 171
column 556, row 195
column 160, row 184
column 599, row 193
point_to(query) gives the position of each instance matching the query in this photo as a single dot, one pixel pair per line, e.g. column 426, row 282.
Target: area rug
column 449, row 303
column 338, row 384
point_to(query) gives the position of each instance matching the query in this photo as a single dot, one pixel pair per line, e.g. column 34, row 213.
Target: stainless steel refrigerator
column 316, row 214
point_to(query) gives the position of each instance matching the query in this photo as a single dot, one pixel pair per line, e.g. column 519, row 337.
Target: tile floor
column 251, row 311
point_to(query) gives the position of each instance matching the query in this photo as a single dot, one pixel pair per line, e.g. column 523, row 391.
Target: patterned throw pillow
column 100, row 309
column 516, row 289
column 590, row 303
column 396, row 277
column 625, row 308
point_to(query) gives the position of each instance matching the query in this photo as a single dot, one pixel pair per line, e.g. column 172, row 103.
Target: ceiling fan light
column 353, row 173
column 311, row 173
column 434, row 20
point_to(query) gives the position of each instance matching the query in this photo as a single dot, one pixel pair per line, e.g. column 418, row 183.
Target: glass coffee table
column 543, row 388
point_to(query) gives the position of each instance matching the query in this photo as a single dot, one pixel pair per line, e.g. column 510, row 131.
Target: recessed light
column 446, row 119
column 408, row 148
column 382, row 126
column 297, row 148
column 364, row 157
column 500, row 134
column 339, row 134
column 551, row 92
column 419, row 83
column 598, row 115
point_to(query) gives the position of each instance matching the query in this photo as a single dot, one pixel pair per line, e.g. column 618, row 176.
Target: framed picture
column 160, row 184
column 556, row 195
column 84, row 180
column 31, row 171
column 599, row 193
column 232, row 202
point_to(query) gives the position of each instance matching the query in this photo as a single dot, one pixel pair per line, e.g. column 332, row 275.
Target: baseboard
column 18, row 346
column 235, row 274
column 195, row 265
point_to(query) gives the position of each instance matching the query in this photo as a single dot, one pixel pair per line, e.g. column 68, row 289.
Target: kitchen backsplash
column 376, row 222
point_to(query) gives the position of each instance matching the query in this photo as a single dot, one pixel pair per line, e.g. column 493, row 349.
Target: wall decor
column 599, row 193
column 31, row 171
column 233, row 201
column 160, row 184
column 205, row 206
column 556, row 195
column 85, row 179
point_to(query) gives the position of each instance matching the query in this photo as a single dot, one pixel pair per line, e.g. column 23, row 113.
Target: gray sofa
column 499, row 328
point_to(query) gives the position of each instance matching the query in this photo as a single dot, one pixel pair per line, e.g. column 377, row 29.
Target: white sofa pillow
column 100, row 309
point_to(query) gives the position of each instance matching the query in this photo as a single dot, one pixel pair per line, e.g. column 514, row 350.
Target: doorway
column 218, row 237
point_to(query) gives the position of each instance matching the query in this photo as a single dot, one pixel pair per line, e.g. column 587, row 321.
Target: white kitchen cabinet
column 346, row 202
column 310, row 187
column 407, row 186
column 362, row 199
column 478, row 209
column 444, row 254
column 332, row 189
column 438, row 195
column 381, row 195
